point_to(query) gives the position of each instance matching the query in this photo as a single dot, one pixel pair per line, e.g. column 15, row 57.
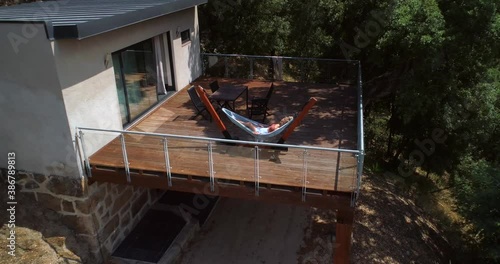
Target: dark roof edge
column 47, row 25
column 93, row 28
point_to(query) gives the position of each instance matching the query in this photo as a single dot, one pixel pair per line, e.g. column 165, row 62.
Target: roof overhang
column 79, row 19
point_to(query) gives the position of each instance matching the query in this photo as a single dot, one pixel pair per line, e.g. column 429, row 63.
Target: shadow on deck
column 326, row 178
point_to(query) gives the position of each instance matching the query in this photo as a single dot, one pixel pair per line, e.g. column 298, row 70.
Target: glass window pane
column 120, row 89
column 185, row 36
column 135, row 70
column 139, row 68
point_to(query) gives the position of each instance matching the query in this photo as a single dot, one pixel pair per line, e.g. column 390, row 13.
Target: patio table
column 229, row 93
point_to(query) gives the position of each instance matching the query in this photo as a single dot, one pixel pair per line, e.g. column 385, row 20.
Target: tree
column 427, row 65
column 244, row 27
column 15, row 2
column 479, row 200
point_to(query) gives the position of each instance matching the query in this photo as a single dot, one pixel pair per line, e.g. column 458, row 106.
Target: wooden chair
column 214, row 86
column 258, row 106
column 198, row 104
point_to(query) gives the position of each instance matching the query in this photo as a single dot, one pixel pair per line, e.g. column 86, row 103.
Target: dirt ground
column 249, row 232
column 388, row 228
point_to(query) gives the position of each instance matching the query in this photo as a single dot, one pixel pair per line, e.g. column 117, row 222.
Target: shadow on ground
column 390, row 228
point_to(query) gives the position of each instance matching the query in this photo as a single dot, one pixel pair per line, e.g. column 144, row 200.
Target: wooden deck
column 331, row 123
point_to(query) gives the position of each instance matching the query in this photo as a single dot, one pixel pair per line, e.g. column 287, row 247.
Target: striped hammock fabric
column 240, row 121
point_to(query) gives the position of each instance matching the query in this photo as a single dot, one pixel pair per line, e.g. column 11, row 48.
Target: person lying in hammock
column 266, row 129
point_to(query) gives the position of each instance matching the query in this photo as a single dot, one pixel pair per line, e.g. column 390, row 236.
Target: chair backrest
column 195, row 99
column 214, row 86
column 270, row 92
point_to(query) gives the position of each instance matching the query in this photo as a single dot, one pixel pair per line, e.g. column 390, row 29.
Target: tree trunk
column 391, row 128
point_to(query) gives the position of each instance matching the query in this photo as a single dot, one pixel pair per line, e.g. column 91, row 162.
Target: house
column 62, row 65
column 94, row 96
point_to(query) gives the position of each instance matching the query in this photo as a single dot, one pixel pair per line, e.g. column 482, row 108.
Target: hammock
column 238, row 120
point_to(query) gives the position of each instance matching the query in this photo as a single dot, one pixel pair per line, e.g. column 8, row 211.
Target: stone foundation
column 101, row 214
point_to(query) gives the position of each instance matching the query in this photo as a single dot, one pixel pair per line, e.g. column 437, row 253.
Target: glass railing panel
column 262, row 69
column 144, row 153
column 293, row 71
column 102, row 148
column 347, row 172
column 322, row 170
column 294, row 169
column 214, row 66
column 238, row 67
column 290, row 69
column 281, row 169
column 233, row 164
column 188, row 158
column 234, row 67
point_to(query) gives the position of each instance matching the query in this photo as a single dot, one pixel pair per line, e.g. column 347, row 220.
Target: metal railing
column 252, row 67
column 279, row 68
column 209, row 144
column 361, row 133
column 283, row 68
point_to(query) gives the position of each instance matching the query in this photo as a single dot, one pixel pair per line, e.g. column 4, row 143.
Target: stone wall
column 101, row 214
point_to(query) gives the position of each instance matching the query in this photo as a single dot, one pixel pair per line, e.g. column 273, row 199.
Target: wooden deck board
column 331, row 123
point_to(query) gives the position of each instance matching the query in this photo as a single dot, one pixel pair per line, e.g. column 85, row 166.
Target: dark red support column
column 342, row 246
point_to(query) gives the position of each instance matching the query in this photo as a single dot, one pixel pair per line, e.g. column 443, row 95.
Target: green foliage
column 245, row 27
column 14, row 2
column 427, row 64
column 478, row 184
column 415, row 28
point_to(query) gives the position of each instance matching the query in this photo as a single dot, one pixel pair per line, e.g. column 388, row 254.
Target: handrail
column 232, row 141
column 359, row 152
column 211, row 141
column 276, row 57
column 360, row 131
column 361, row 140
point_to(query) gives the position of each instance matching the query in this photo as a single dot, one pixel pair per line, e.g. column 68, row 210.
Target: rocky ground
column 40, row 235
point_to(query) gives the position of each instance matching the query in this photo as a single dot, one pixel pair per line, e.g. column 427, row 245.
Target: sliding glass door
column 140, row 77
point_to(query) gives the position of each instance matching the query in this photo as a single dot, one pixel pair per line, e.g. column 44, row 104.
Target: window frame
column 188, row 39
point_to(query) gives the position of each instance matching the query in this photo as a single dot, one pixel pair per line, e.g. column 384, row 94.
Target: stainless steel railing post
column 125, row 157
column 167, row 161
column 251, row 68
column 211, row 166
column 304, row 169
column 88, row 170
column 257, row 171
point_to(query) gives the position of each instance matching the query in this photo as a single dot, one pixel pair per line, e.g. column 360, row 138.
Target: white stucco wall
column 32, row 112
column 48, row 88
column 187, row 56
column 89, row 88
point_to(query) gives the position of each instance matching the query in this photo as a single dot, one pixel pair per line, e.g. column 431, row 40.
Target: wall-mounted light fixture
column 178, row 32
column 107, row 60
